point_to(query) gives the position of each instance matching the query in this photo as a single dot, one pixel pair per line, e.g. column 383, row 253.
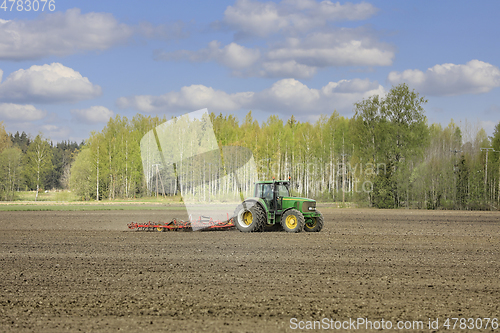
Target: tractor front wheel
column 249, row 219
column 314, row 224
column 292, row 221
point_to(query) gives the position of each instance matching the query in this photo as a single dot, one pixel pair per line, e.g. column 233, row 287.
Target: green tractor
column 272, row 208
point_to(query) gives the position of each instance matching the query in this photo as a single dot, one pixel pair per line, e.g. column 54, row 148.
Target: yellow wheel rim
column 247, row 218
column 159, row 228
column 291, row 221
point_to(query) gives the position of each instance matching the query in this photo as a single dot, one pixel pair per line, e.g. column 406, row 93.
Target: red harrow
column 202, row 223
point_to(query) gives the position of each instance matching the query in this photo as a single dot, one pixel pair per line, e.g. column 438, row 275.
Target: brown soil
column 84, row 271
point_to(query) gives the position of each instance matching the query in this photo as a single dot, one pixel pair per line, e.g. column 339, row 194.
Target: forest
column 385, row 156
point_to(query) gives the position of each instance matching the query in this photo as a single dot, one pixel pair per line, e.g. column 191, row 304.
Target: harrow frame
column 202, row 223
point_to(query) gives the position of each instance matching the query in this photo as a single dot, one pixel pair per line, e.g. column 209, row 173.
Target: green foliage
column 10, row 166
column 22, row 141
column 407, row 131
column 10, row 172
column 392, row 129
column 370, row 129
column 495, row 142
column 384, row 188
column 63, row 154
column 82, row 175
column 110, row 166
column 37, row 163
column 384, row 156
column 5, row 141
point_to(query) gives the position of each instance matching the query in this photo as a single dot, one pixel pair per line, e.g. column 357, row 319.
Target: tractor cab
column 273, row 193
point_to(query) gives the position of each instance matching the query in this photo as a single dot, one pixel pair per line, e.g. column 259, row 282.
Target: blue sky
column 65, row 72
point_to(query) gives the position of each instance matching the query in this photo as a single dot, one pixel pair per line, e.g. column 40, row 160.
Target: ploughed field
column 72, row 271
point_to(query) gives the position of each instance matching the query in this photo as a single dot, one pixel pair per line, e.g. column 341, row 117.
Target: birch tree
column 38, row 162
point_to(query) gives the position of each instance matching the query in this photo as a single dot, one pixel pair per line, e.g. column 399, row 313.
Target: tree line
column 33, row 164
column 386, row 155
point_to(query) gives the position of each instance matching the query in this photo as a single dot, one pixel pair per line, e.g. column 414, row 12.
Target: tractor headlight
column 312, row 208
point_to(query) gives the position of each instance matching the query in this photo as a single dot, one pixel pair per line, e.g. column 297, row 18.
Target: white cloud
column 60, row 33
column 65, row 33
column 295, row 57
column 18, row 112
column 346, row 47
column 188, row 98
column 286, row 96
column 1, row 75
column 263, row 19
column 352, row 87
column 329, row 11
column 302, row 41
column 232, row 55
column 288, row 68
column 255, row 18
column 52, row 83
column 92, row 115
column 475, row 77
column 290, row 96
column 237, row 56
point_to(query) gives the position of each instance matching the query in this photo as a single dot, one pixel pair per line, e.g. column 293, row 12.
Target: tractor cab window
column 265, row 191
column 282, row 190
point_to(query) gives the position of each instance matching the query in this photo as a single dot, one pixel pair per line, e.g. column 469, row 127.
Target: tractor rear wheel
column 314, row 224
column 292, row 221
column 249, row 219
